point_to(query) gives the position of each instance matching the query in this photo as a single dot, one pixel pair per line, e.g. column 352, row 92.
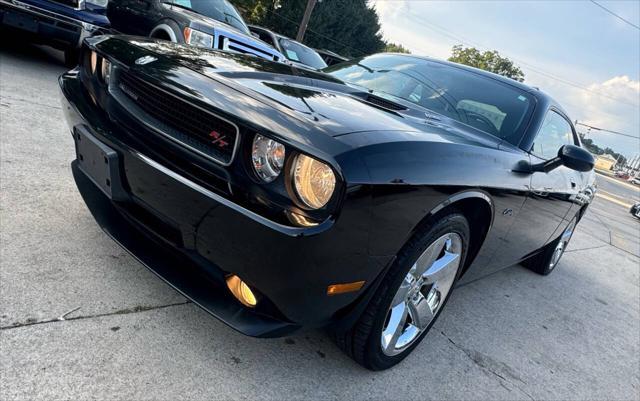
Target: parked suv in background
column 295, row 52
column 62, row 24
column 330, row 57
column 206, row 23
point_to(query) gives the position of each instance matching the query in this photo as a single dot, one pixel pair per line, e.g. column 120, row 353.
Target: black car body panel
column 395, row 166
column 151, row 17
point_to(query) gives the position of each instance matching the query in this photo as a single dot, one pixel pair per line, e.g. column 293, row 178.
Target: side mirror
column 570, row 156
column 576, row 158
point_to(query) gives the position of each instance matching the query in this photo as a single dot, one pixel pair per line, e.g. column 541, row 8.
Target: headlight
column 105, row 71
column 267, row 157
column 314, row 181
column 197, row 38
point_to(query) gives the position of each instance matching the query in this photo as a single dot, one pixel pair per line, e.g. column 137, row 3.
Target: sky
column 584, row 57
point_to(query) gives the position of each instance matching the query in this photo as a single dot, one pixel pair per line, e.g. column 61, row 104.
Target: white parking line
column 601, row 194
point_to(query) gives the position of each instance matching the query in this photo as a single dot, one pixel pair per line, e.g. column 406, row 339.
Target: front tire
column 412, row 295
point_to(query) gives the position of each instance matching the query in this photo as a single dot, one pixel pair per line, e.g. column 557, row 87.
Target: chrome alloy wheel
column 421, row 294
column 562, row 245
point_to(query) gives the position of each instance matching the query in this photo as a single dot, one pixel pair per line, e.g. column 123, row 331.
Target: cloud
column 401, row 23
column 622, row 115
column 415, row 24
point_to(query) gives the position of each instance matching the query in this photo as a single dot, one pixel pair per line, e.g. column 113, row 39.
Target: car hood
column 316, row 98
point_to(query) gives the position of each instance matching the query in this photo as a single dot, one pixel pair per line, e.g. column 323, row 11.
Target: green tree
column 394, row 48
column 254, row 11
column 347, row 27
column 488, row 60
column 597, row 150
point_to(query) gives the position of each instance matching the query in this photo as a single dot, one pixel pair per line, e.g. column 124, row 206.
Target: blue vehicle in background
column 62, row 24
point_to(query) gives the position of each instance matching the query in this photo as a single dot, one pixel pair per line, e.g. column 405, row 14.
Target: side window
column 555, row 132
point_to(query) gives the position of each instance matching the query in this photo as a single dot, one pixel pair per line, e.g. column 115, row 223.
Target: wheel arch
column 164, row 28
column 477, row 207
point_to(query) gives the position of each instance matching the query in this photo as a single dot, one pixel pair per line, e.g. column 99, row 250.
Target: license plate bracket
column 100, row 163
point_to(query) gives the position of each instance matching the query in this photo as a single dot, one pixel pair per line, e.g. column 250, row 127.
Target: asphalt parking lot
column 512, row 335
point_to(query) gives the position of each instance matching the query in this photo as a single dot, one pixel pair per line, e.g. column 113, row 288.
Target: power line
column 615, row 15
column 467, row 42
column 316, row 33
column 453, row 36
column 606, row 130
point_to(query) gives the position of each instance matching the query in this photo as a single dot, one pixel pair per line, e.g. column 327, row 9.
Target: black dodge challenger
column 355, row 198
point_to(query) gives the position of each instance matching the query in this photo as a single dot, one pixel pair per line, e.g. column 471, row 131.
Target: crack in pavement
column 604, row 224
column 610, row 243
column 489, row 365
column 30, row 102
column 62, row 318
column 587, row 249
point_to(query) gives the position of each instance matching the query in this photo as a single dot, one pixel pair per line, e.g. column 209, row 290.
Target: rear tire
column 421, row 279
column 547, row 260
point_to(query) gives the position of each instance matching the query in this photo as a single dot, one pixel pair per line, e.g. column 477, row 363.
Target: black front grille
column 70, row 3
column 180, row 120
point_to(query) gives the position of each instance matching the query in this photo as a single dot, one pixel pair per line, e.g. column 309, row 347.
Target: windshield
column 302, row 54
column 220, row 10
column 481, row 102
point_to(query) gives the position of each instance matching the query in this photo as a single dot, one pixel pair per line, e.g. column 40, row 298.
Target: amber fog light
column 241, row 291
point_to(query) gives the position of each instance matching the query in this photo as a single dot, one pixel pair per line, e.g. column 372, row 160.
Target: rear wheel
column 547, row 260
column 413, row 293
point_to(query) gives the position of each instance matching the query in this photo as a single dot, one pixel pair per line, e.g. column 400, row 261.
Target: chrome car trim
column 421, row 294
column 223, row 36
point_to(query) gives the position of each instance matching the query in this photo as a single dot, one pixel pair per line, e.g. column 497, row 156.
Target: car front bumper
column 193, row 238
column 47, row 26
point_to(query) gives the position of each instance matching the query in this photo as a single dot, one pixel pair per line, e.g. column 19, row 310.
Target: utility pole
column 305, row 20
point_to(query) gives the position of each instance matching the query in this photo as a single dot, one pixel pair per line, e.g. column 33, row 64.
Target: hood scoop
column 383, row 103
